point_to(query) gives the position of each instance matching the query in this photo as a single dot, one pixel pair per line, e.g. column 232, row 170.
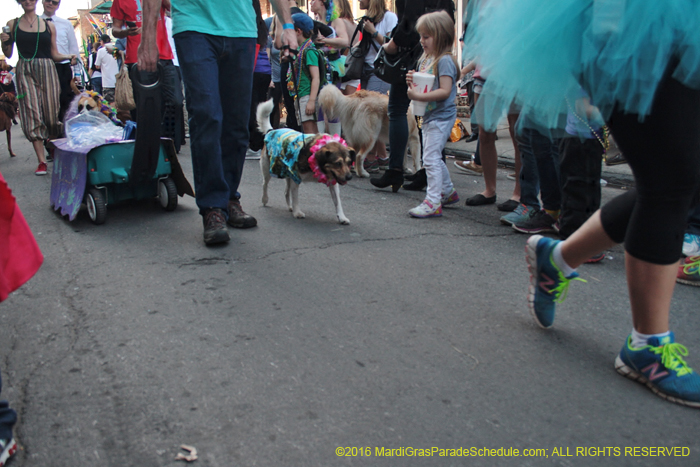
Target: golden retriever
column 364, row 120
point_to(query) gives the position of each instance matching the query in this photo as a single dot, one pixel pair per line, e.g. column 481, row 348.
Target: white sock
column 559, row 261
column 321, row 125
column 640, row 340
column 333, row 128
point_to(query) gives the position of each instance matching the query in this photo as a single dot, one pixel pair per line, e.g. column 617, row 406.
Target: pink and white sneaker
column 451, row 198
column 426, row 209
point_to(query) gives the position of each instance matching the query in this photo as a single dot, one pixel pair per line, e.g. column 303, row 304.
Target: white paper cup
column 422, row 82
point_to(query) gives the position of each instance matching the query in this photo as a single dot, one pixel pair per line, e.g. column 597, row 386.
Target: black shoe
column 215, row 230
column 617, row 159
column 237, row 218
column 419, row 182
column 390, row 177
column 471, row 138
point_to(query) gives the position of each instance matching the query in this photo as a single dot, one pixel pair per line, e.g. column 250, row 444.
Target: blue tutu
column 537, row 55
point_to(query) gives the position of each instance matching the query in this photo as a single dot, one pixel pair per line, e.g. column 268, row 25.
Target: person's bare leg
column 651, row 288
column 512, row 119
column 590, row 239
column 309, row 127
column 39, row 150
column 650, row 285
column 489, row 161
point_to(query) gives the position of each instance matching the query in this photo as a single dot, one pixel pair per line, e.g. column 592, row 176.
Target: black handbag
column 355, row 60
column 392, row 69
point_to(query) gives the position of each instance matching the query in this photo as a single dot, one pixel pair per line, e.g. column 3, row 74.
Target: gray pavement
column 304, row 339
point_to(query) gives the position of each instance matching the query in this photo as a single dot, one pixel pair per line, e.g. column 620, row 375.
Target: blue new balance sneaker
column 548, row 285
column 660, row 366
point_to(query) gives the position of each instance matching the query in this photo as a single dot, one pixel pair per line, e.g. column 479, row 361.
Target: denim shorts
column 478, row 85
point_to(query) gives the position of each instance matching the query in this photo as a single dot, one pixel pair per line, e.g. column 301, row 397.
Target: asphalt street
column 309, row 343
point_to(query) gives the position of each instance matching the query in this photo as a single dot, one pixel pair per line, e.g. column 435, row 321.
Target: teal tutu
column 536, row 55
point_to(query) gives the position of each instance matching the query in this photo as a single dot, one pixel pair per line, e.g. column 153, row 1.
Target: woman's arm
column 6, row 42
column 57, row 57
column 341, row 39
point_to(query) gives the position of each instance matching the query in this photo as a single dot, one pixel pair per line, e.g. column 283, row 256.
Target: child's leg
column 434, row 138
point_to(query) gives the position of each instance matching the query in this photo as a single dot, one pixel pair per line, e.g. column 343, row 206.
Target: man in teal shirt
column 216, row 48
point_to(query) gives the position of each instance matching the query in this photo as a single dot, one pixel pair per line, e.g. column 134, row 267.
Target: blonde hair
column 345, row 10
column 441, row 28
column 376, row 10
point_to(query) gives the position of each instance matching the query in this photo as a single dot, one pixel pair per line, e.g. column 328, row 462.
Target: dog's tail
column 329, row 98
column 262, row 115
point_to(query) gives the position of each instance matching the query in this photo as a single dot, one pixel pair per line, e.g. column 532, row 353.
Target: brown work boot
column 237, row 218
column 215, row 230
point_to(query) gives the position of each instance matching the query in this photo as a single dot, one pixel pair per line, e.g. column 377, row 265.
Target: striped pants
column 38, row 92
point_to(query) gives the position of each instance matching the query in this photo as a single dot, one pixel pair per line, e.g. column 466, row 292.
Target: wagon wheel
column 167, row 194
column 96, row 205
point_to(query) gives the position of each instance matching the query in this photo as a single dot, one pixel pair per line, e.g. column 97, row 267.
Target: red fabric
column 20, row 257
column 129, row 10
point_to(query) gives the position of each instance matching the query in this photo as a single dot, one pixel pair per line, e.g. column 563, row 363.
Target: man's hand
column 135, row 31
column 148, row 56
column 148, row 49
column 289, row 38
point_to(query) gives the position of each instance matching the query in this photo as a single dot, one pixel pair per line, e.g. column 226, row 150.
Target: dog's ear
column 352, row 154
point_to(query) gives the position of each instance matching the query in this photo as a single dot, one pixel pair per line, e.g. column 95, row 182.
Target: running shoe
column 538, row 222
column 548, row 285
column 689, row 271
column 660, row 366
column 691, row 245
column 520, row 214
column 426, row 209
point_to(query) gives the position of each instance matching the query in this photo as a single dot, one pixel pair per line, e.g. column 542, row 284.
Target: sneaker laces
column 672, row 357
column 561, row 291
column 691, row 267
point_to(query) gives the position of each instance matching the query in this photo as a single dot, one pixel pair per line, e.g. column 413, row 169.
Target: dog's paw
column 344, row 220
column 299, row 215
column 264, row 200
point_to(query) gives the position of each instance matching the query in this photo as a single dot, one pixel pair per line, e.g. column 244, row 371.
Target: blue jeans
column 218, row 76
column 540, row 170
column 398, row 125
column 8, row 417
column 96, row 84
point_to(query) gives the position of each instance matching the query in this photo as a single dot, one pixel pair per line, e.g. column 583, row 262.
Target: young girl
column 436, row 36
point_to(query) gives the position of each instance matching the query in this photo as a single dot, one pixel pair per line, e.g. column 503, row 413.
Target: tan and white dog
column 364, row 118
column 317, row 158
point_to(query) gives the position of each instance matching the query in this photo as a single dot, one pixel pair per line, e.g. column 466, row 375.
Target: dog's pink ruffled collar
column 322, row 141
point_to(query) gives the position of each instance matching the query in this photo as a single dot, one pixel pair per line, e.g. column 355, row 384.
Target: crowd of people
column 230, row 59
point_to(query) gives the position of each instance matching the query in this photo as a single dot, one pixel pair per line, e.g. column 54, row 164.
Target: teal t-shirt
column 230, row 18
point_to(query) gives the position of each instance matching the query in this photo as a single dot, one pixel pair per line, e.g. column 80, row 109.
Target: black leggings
column 663, row 152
